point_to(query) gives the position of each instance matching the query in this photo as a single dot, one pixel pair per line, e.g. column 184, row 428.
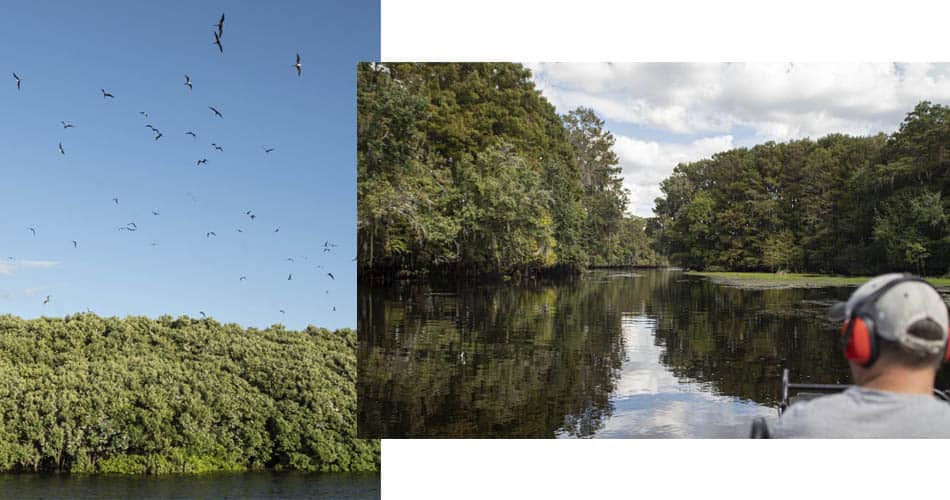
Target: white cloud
column 10, row 267
column 778, row 101
column 646, row 163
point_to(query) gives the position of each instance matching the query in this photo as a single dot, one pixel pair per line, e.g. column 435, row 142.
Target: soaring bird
column 217, row 41
column 276, row 230
column 242, row 278
column 115, row 200
column 143, row 113
column 17, row 78
column 240, row 230
column 331, row 276
column 158, row 136
column 75, row 244
column 290, row 277
column 188, row 81
column 216, row 112
column 61, row 150
column 298, row 65
column 154, row 244
column 220, row 25
column 32, row 230
column 253, row 216
column 219, row 148
column 46, row 301
column 155, row 212
column 203, row 160
column 203, row 315
column 149, row 126
column 283, row 311
column 267, row 150
column 67, row 125
column 192, row 134
column 107, row 94
column 210, row 234
column 291, row 259
column 132, row 226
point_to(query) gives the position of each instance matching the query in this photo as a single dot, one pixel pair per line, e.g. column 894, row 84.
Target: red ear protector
column 858, row 334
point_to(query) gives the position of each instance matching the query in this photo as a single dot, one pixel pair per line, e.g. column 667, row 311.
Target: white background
column 599, row 30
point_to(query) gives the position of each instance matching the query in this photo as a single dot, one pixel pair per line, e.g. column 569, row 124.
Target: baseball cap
column 901, row 300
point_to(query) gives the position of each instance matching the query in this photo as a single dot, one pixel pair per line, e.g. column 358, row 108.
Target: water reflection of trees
column 508, row 361
column 543, row 360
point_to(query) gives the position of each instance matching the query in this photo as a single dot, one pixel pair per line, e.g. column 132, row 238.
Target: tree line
column 468, row 168
column 839, row 204
column 176, row 395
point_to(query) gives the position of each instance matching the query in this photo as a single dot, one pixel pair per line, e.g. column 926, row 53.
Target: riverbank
column 763, row 281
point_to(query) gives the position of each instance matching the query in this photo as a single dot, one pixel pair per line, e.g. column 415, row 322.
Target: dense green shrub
column 139, row 395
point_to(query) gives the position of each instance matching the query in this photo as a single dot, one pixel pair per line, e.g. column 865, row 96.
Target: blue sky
column 666, row 113
column 65, row 52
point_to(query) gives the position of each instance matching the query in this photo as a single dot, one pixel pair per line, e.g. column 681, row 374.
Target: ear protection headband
column 859, row 337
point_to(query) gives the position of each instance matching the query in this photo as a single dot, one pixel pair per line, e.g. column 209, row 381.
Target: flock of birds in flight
column 132, row 226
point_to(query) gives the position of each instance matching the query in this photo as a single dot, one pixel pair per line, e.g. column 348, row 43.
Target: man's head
column 894, row 322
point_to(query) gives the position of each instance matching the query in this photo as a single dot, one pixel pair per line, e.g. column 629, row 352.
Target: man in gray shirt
column 895, row 333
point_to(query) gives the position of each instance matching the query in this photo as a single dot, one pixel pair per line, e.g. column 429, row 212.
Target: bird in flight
column 219, row 148
column 267, row 150
column 32, row 230
column 298, row 65
column 143, row 113
column 158, row 136
column 202, row 313
column 192, row 134
column 220, row 25
column 240, row 230
column 217, row 41
column 155, row 212
column 276, row 230
column 115, row 200
column 61, row 150
column 106, row 94
column 216, row 112
column 188, row 81
column 132, row 226
column 203, row 160
column 210, row 234
column 75, row 244
column 242, row 278
column 149, row 126
column 331, row 276
column 46, row 301
column 291, row 259
column 290, row 277
column 283, row 311
column 67, row 125
column 17, row 78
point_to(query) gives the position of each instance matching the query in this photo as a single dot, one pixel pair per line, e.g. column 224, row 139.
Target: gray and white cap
column 897, row 307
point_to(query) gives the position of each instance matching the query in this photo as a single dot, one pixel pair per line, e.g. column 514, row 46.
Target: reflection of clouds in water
column 652, row 402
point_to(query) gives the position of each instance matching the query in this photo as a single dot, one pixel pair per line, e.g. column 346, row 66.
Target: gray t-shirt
column 859, row 412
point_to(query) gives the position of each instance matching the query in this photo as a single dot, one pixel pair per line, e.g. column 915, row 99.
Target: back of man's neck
column 901, row 381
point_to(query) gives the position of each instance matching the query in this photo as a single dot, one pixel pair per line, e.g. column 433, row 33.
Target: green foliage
column 844, row 205
column 468, row 167
column 137, row 395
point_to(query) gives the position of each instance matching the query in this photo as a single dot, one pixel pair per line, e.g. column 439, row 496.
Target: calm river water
column 644, row 353
column 245, row 485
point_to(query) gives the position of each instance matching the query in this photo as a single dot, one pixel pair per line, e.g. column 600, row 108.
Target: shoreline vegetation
column 753, row 280
column 87, row 394
column 467, row 171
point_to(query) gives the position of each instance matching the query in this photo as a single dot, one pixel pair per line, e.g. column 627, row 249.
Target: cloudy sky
column 666, row 113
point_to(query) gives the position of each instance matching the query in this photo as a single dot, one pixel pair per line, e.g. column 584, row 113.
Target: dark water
column 247, row 485
column 613, row 354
